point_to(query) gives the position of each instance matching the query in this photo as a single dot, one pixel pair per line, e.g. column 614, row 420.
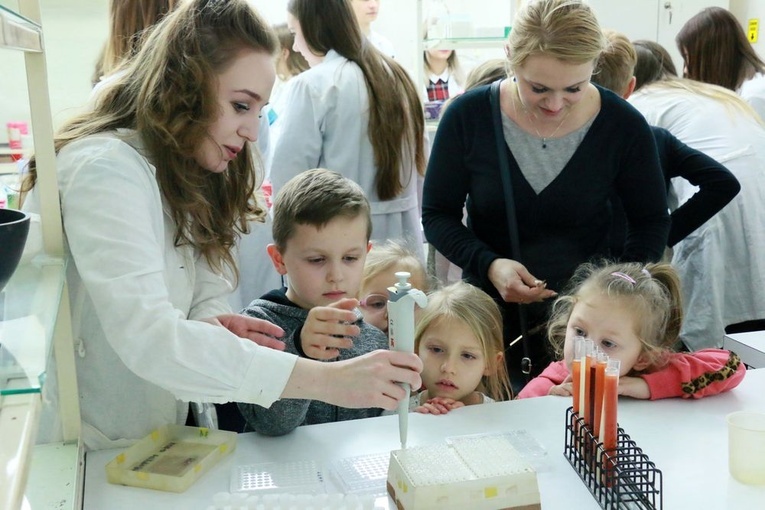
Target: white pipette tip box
column 480, row 472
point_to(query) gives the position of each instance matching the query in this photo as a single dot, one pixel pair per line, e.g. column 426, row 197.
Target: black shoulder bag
column 512, row 222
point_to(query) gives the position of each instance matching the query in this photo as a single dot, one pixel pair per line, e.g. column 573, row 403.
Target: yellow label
column 142, row 476
column 155, row 435
column 753, row 29
column 490, row 492
column 204, row 431
column 120, row 458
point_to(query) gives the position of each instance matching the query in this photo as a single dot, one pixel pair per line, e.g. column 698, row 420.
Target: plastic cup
column 746, row 447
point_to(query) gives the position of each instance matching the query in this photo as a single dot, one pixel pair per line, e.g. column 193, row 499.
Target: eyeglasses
column 375, row 303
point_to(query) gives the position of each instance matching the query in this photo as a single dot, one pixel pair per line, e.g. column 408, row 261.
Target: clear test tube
column 600, row 379
column 585, row 398
column 576, row 370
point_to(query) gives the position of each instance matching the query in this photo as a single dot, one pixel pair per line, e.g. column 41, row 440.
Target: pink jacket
column 687, row 375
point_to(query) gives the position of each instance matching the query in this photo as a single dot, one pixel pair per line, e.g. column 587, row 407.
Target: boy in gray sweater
column 321, row 229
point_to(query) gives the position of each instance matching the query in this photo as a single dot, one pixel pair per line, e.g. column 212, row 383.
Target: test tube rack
column 621, row 478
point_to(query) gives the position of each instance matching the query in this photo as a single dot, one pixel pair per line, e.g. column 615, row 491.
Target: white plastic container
column 171, row 458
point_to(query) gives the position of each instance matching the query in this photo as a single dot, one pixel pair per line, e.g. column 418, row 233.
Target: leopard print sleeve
column 727, row 371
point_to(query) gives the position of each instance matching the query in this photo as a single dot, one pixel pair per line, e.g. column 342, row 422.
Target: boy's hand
column 329, row 329
column 439, row 405
column 634, row 387
column 259, row 331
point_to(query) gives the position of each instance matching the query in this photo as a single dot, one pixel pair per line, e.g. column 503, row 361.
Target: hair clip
column 624, row 277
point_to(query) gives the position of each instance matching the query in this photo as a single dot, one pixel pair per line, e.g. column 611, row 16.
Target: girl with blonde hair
column 459, row 339
column 382, row 262
column 633, row 313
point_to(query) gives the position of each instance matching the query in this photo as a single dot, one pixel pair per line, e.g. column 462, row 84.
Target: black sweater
column 564, row 225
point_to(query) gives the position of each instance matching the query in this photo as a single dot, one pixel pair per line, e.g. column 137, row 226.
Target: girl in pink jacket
column 633, row 313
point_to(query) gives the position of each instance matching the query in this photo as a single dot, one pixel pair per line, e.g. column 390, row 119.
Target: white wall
column 75, row 30
column 744, row 10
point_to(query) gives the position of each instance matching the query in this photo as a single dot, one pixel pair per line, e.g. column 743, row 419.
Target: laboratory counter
column 686, row 439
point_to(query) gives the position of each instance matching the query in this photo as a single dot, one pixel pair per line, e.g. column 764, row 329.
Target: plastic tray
column 302, row 476
column 365, row 474
column 171, row 458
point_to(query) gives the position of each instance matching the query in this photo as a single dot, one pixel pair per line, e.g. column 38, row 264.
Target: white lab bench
column 686, row 439
column 749, row 346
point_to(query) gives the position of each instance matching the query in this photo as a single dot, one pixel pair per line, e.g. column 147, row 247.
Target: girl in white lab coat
column 156, row 182
column 715, row 50
column 722, row 263
column 357, row 112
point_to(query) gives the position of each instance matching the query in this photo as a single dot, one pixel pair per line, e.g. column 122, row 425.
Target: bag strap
column 512, row 221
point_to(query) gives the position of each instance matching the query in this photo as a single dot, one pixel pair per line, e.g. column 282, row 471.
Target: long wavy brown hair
column 167, row 93
column 396, row 118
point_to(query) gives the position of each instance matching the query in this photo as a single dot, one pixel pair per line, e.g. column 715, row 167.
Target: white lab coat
column 721, row 264
column 325, row 125
column 256, row 272
column 140, row 353
column 753, row 92
column 382, row 43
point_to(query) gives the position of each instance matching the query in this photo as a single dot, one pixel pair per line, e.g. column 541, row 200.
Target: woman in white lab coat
column 722, row 263
column 156, row 184
column 355, row 111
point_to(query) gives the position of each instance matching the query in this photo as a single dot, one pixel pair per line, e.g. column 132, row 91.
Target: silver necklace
column 531, row 118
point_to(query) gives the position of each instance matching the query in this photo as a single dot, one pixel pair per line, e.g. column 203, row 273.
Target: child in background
column 634, row 314
column 443, row 74
column 321, row 230
column 289, row 63
column 459, row 340
column 443, row 80
column 383, row 261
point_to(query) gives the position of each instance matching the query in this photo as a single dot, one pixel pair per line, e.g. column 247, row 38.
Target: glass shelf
column 455, row 43
column 28, row 310
column 18, row 32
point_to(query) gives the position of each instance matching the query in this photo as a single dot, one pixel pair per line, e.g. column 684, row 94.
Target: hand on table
column 515, row 284
column 563, row 389
column 329, row 329
column 634, row 387
column 439, row 405
column 259, row 331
